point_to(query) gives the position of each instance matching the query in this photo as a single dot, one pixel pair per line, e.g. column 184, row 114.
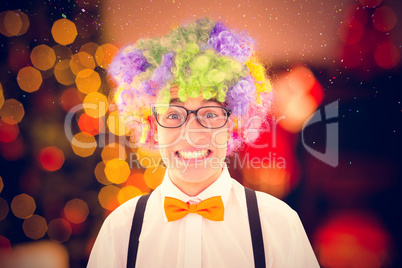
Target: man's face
column 193, row 153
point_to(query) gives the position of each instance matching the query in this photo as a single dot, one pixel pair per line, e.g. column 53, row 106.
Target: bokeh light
column 59, row 230
column 88, row 81
column 81, row 61
column 76, row 211
column 4, row 209
column 1, row 184
column 63, row 73
column 128, row 192
column 11, row 23
column 12, row 111
column 298, row 96
column 387, row 55
column 351, row 31
column 353, row 239
column 35, row 227
column 83, row 144
column 105, row 54
column 136, row 179
column 154, row 176
column 70, row 98
column 113, row 151
column 5, row 245
column 90, row 125
column 384, row 19
column 24, row 20
column 29, row 79
column 64, row 31
column 117, row 170
column 108, row 197
column 23, row 206
column 116, row 124
column 51, row 158
column 43, row 57
column 8, row 132
column 95, row 104
column 100, row 173
column 1, row 96
column 148, row 158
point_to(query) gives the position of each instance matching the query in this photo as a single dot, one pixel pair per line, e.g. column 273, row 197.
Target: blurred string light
column 4, row 209
column 59, row 230
column 88, row 81
column 136, row 179
column 113, row 151
column 8, row 132
column 353, row 239
column 117, row 125
column 51, row 158
column 64, row 31
column 1, row 184
column 43, row 57
column 13, row 23
column 83, row 144
column 108, row 197
column 95, row 104
column 105, row 54
column 76, row 211
column 367, row 30
column 34, row 227
column 79, row 72
column 100, row 174
column 12, row 111
column 23, row 206
column 1, row 96
column 117, row 171
column 63, row 73
column 29, row 79
column 80, row 61
column 127, row 192
column 90, row 125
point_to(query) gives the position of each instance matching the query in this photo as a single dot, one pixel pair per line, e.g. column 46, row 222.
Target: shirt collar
column 221, row 187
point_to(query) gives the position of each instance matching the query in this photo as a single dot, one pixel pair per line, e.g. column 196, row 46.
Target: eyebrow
column 178, row 101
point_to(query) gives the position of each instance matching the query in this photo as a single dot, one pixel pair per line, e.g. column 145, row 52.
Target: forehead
column 174, row 99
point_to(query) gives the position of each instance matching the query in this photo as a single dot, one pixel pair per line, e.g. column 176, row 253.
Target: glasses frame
column 195, row 112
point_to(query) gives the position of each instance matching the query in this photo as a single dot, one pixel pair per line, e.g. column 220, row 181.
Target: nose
column 194, row 132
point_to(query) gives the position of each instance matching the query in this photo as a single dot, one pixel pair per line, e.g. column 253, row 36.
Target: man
column 203, row 87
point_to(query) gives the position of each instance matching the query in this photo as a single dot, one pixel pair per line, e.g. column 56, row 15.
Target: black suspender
column 255, row 228
column 136, row 230
column 253, row 219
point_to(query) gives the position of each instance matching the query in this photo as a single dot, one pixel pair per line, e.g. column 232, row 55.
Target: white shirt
column 194, row 241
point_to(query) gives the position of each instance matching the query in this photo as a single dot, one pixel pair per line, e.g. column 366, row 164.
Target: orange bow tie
column 211, row 208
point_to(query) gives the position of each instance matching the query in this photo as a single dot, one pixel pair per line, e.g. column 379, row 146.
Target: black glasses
column 172, row 116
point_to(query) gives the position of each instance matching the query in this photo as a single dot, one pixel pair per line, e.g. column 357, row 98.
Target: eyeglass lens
column 175, row 116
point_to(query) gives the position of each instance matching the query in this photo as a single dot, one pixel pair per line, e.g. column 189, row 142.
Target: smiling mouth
column 193, row 154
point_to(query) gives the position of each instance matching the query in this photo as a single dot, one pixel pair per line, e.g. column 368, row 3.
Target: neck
column 194, row 188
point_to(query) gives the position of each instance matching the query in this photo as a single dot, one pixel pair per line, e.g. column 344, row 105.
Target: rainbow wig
column 202, row 57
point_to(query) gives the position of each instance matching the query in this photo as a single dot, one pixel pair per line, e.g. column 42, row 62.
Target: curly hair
column 203, row 57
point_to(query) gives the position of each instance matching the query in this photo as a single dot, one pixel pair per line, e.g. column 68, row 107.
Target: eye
column 210, row 115
column 173, row 116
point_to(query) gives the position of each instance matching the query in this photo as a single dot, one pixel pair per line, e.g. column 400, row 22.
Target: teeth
column 192, row 155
